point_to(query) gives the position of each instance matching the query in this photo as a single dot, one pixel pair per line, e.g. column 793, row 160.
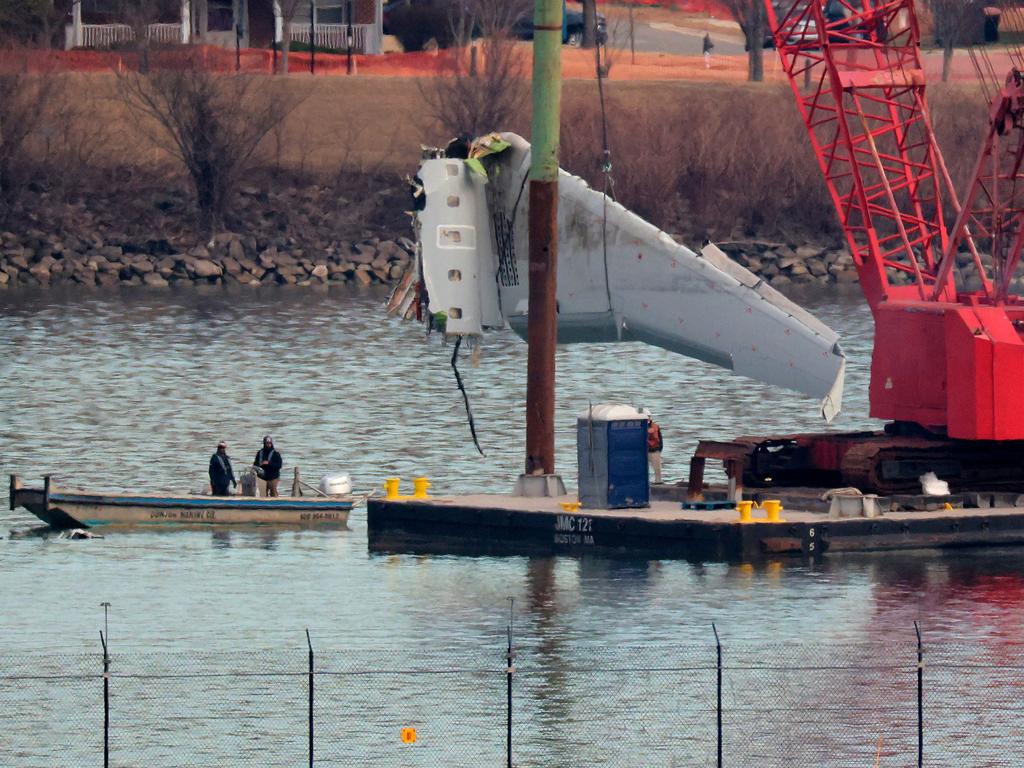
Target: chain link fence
column 557, row 704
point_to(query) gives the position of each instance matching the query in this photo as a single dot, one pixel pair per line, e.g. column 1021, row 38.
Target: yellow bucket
column 569, row 506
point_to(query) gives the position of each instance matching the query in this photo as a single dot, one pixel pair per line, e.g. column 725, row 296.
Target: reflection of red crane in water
column 948, row 364
column 978, row 600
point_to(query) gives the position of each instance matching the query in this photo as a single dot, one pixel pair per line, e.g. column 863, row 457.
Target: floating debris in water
column 79, row 533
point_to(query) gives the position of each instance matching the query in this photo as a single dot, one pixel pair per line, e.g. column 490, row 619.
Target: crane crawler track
column 892, row 465
column 877, row 462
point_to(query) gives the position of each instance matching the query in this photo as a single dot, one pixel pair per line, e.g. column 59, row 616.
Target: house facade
column 227, row 23
column 328, row 21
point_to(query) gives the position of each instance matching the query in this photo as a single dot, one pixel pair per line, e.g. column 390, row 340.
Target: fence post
column 718, row 648
column 510, row 669
column 309, row 643
column 106, row 702
column 349, row 10
column 312, row 37
column 920, row 697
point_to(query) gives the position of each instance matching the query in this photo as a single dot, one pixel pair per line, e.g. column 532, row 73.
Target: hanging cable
column 606, row 168
column 465, row 397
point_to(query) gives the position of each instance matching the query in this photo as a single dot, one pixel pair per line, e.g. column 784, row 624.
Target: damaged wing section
column 619, row 277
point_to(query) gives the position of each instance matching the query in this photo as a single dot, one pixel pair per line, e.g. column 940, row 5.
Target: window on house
column 220, row 15
column 331, row 13
column 100, row 12
column 98, row 6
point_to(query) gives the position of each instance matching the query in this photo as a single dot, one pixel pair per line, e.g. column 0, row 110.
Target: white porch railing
column 364, row 36
column 106, row 35
column 165, row 33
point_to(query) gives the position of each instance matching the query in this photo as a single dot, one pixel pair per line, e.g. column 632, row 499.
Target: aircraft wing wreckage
column 619, row 277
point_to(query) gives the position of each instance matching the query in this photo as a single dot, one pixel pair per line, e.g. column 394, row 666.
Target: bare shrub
column 67, row 152
column 212, row 124
column 730, row 161
column 363, row 189
column 687, row 164
column 484, row 85
column 620, row 34
column 50, row 137
column 643, row 180
column 960, row 118
column 26, row 103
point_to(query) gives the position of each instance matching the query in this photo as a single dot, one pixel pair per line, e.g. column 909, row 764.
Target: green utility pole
column 543, row 319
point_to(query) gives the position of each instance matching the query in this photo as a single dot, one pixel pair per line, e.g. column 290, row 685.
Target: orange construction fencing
column 576, row 64
column 711, row 7
column 247, row 60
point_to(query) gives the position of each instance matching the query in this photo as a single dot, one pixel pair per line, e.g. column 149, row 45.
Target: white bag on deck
column 932, row 486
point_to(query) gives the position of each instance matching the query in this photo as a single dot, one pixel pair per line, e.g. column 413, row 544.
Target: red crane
column 947, row 369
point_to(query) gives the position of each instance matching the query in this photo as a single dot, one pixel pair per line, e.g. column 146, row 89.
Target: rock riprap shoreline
column 283, row 234
column 36, row 260
column 784, row 265
column 308, row 235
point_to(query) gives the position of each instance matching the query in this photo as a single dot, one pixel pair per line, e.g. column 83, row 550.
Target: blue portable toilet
column 611, row 451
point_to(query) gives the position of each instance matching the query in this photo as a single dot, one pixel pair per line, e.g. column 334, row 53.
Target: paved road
column 664, row 37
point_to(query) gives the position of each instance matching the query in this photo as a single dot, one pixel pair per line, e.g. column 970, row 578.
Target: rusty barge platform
column 512, row 525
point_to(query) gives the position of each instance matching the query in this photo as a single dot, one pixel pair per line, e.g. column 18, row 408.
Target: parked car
column 522, row 28
column 806, row 30
column 572, row 27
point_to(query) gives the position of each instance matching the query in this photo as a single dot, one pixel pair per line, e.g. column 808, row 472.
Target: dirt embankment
column 721, row 162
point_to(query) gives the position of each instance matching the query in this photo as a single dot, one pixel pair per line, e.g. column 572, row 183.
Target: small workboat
column 65, row 508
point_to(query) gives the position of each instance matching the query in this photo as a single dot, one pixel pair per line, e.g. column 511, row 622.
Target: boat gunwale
column 226, row 502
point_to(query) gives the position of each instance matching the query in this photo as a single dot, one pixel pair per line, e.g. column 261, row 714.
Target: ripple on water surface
column 133, row 389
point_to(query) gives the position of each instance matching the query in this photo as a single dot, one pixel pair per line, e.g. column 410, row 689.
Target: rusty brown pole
column 542, row 330
column 543, row 317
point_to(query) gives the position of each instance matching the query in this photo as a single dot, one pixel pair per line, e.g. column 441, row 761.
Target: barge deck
column 510, row 525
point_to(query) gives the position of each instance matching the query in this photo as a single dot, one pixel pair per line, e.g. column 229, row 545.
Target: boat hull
column 79, row 509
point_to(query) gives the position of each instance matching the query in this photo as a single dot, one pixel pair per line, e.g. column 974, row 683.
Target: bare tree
column 753, row 21
column 951, row 21
column 35, row 22
column 288, row 10
column 139, row 15
column 212, row 124
column 484, row 86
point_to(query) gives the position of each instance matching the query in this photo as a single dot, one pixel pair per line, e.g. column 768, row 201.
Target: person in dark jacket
column 220, row 471
column 268, row 467
column 706, row 48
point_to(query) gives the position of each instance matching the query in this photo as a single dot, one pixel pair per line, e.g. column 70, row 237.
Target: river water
column 133, row 389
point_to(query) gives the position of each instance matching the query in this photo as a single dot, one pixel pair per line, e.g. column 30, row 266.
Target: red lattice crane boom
column 947, row 370
column 946, row 358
